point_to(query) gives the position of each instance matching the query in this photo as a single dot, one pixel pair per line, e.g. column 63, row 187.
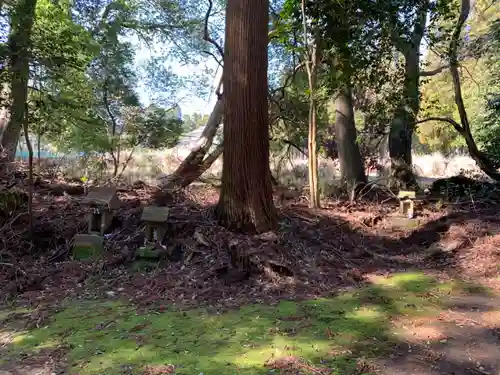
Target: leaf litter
column 312, row 255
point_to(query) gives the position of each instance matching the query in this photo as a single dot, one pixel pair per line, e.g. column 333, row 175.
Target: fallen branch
column 197, row 162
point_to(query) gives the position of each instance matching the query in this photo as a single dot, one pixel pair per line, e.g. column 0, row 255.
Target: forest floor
column 340, row 290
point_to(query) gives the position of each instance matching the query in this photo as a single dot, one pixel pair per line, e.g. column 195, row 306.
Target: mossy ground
column 112, row 337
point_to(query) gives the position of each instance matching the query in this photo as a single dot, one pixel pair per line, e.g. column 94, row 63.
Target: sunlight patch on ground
column 112, row 338
column 419, row 330
column 7, row 337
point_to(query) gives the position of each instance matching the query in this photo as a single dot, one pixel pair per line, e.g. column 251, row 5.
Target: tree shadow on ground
column 386, row 325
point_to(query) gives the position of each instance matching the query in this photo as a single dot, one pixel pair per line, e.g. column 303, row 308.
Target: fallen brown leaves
column 291, row 365
column 159, row 370
column 314, row 253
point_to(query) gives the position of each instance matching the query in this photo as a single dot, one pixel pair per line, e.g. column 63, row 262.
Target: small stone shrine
column 155, row 218
column 406, row 203
column 103, row 201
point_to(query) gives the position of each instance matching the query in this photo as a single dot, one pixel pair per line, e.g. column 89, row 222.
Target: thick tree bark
column 403, row 124
column 19, row 46
column 197, row 162
column 352, row 171
column 246, row 201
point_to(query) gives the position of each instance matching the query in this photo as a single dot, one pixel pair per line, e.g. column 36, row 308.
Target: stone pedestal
column 87, row 246
column 101, row 203
column 406, row 205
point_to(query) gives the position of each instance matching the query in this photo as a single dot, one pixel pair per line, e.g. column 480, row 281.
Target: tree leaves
column 83, row 95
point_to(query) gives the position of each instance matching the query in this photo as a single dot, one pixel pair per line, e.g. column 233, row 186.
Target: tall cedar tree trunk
column 246, row 201
column 19, row 49
column 352, row 172
column 403, row 124
column 312, row 146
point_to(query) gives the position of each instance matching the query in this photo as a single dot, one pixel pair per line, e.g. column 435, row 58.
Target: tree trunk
column 190, row 172
column 197, row 162
column 30, row 170
column 39, row 152
column 403, row 124
column 19, row 45
column 312, row 146
column 4, row 109
column 246, row 201
column 480, row 158
column 463, row 128
column 116, row 166
column 482, row 161
column 352, row 171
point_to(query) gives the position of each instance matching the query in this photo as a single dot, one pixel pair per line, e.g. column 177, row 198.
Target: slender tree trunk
column 39, row 152
column 115, row 168
column 126, row 162
column 30, row 170
column 246, row 201
column 312, row 146
column 5, row 104
column 116, row 162
column 352, row 171
column 480, row 158
column 19, row 45
column 463, row 128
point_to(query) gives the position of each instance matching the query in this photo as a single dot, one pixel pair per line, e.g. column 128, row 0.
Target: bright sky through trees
column 190, row 101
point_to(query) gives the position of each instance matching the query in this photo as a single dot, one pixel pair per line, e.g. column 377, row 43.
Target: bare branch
column 430, row 73
column 453, row 58
column 219, row 61
column 470, row 75
column 287, row 82
column 448, row 120
column 206, row 34
column 291, row 144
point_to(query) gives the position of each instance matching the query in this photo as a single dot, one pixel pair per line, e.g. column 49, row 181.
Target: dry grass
column 147, row 165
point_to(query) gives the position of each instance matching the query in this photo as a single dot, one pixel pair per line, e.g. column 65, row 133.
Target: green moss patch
column 330, row 334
